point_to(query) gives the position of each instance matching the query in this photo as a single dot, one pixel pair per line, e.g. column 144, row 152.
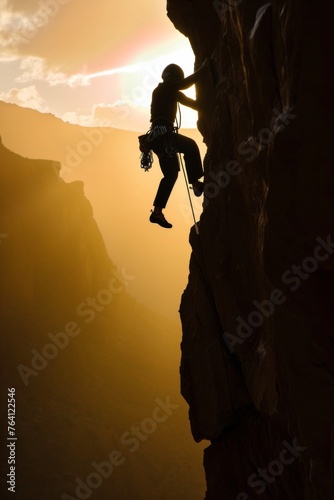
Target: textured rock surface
column 257, row 314
column 47, row 220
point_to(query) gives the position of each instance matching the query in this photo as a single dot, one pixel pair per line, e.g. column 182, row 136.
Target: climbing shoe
column 198, row 190
column 160, row 219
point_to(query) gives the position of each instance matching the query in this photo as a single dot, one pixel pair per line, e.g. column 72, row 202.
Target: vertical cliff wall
column 257, row 313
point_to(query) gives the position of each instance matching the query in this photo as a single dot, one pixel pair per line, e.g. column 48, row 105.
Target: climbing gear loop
column 146, row 156
column 145, row 144
column 169, row 143
column 167, row 134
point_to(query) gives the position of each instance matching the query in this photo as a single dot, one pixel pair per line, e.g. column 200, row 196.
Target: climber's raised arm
column 187, row 101
column 191, row 79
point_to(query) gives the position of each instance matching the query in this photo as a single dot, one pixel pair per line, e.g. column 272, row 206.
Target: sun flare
column 137, row 85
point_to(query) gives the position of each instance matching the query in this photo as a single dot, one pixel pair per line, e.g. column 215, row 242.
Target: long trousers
column 170, row 165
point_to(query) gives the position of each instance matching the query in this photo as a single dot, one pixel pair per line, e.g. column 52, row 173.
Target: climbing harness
column 156, row 131
column 145, row 140
column 169, row 149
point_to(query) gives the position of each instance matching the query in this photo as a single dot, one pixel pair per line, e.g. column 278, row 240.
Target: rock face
column 47, row 220
column 257, row 314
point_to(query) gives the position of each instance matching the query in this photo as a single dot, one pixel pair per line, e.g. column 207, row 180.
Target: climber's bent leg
column 170, row 169
column 192, row 157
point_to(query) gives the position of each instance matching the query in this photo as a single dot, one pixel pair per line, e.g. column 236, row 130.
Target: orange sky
column 51, row 48
column 96, row 63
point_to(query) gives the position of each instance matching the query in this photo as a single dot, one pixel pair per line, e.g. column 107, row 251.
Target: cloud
column 11, row 24
column 79, row 119
column 19, row 27
column 120, row 115
column 116, row 115
column 124, row 115
column 116, row 71
column 35, row 69
column 101, row 115
column 79, row 54
column 27, row 97
column 70, row 34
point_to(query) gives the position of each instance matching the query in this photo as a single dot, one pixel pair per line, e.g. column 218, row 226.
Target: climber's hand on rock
column 204, row 65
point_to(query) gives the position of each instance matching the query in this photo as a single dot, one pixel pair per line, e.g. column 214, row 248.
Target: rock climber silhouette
column 165, row 143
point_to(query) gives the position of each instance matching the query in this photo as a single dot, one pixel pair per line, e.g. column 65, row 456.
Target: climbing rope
column 178, row 125
column 188, row 190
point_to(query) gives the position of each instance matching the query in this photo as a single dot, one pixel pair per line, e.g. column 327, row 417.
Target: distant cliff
column 257, row 314
column 47, row 220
